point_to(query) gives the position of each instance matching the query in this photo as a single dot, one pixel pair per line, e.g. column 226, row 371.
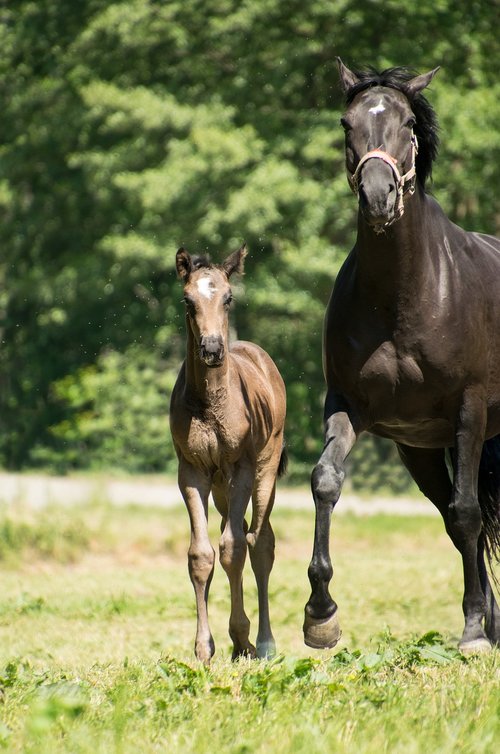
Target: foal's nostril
column 211, row 349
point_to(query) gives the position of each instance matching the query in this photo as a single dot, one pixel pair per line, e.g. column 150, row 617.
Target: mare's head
column 390, row 138
column 207, row 295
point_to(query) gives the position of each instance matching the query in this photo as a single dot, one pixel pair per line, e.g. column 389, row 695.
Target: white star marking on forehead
column 206, row 287
column 376, row 109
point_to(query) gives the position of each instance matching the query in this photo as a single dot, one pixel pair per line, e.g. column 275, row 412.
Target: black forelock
column 426, row 128
column 201, row 260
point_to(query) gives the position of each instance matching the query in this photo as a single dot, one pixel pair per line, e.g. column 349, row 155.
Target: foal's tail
column 283, row 464
column 489, row 497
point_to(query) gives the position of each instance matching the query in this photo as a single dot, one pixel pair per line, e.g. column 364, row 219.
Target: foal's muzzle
column 212, row 350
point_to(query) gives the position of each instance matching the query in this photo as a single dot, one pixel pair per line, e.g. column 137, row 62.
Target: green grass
column 97, row 625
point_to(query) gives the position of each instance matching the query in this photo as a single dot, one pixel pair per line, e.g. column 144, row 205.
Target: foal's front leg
column 195, row 488
column 321, row 626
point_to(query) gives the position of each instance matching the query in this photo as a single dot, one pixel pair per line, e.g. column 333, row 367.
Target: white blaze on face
column 206, row 287
column 376, row 109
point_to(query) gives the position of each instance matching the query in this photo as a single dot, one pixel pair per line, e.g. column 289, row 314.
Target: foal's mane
column 426, row 128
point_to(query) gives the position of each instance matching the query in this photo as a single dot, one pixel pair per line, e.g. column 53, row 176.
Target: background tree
column 132, row 127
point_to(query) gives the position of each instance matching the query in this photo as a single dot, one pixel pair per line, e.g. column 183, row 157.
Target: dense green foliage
column 131, row 127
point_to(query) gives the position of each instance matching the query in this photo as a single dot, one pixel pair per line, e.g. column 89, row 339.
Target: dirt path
column 38, row 490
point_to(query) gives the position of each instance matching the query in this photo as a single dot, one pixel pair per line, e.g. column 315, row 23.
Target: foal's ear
column 235, row 261
column 183, row 264
column 348, row 78
column 416, row 84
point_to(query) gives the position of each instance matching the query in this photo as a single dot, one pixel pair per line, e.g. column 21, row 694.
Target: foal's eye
column 228, row 301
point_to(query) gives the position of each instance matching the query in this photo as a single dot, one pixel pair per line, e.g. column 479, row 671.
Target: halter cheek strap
column 404, row 183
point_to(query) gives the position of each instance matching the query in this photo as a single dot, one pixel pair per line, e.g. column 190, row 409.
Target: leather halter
column 405, row 184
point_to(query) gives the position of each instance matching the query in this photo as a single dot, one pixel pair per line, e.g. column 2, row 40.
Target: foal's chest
column 210, row 442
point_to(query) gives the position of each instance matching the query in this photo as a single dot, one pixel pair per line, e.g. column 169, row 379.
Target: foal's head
column 385, row 122
column 207, row 295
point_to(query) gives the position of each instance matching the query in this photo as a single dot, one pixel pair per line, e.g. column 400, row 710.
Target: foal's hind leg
column 233, row 550
column 428, row 468
column 261, row 542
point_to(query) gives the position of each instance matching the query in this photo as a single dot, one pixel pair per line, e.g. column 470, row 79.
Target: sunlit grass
column 97, row 631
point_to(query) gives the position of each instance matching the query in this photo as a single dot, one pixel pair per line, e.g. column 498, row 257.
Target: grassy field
column 97, row 626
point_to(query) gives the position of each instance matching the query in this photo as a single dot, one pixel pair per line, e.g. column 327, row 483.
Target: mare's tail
column 283, row 464
column 489, row 497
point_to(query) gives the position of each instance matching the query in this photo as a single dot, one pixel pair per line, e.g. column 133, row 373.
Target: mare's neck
column 395, row 261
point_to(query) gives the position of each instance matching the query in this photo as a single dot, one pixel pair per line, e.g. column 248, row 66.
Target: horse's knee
column 232, row 549
column 262, row 548
column 201, row 563
column 326, row 483
column 464, row 522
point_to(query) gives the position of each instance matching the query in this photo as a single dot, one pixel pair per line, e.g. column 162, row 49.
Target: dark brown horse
column 227, row 416
column 412, row 345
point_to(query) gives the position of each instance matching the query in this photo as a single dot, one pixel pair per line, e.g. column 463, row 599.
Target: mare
column 227, row 418
column 411, row 346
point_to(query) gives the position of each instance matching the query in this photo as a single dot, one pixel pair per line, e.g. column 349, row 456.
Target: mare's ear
column 235, row 261
column 183, row 264
column 416, row 84
column 348, row 78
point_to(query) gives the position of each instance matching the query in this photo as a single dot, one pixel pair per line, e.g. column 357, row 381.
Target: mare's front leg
column 321, row 626
column 464, row 515
column 232, row 554
column 194, row 485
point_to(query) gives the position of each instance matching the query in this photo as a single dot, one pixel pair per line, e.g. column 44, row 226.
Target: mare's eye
column 345, row 124
column 410, row 123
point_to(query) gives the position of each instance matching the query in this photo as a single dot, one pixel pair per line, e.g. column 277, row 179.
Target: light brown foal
column 227, row 419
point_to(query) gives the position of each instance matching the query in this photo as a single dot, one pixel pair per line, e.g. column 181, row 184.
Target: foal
column 227, row 417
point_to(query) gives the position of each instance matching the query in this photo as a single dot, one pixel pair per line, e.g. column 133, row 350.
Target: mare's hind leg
column 232, row 553
column 321, row 626
column 195, row 488
column 492, row 618
column 428, row 469
column 261, row 544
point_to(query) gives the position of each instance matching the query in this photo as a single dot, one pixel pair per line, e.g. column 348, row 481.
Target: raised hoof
column 475, row 647
column 321, row 634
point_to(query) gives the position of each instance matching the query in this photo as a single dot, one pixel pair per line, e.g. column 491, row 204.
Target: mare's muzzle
column 381, row 191
column 377, row 193
column 212, row 350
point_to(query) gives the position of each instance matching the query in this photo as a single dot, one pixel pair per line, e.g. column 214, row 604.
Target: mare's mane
column 426, row 128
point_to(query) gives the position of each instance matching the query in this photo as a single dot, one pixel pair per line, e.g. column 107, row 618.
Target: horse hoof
column 249, row 652
column 475, row 647
column 266, row 650
column 321, row 634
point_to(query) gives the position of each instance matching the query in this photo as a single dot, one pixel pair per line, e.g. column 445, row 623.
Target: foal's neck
column 205, row 384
